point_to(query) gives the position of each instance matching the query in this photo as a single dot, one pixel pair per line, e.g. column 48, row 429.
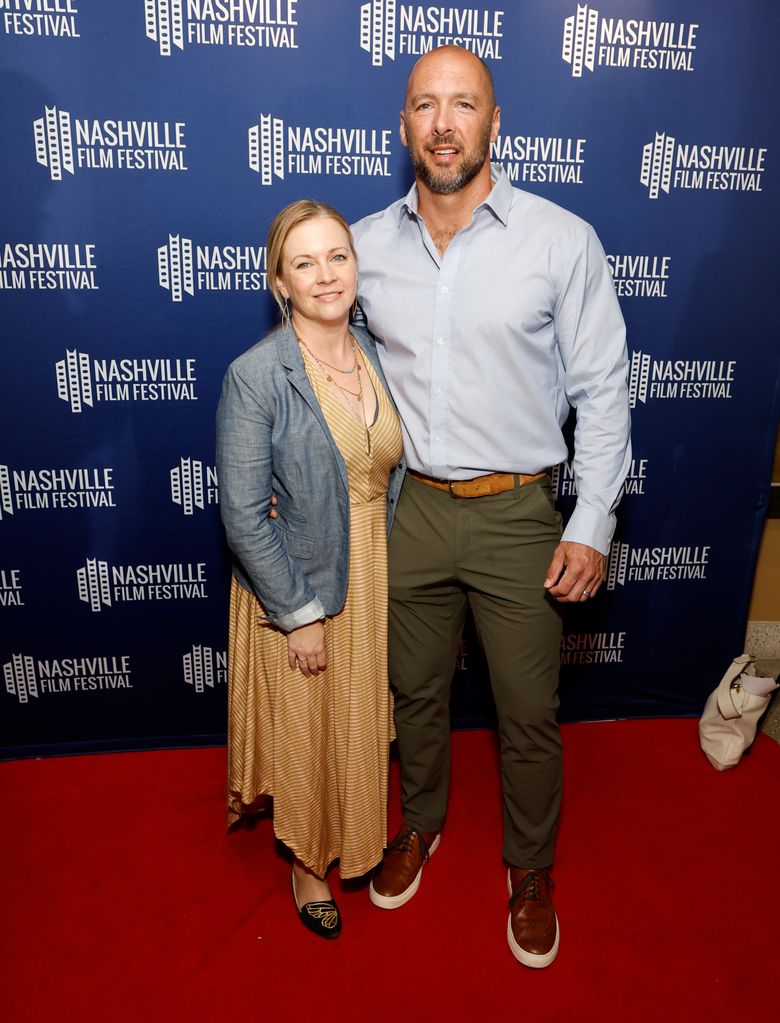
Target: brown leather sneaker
column 532, row 931
column 398, row 875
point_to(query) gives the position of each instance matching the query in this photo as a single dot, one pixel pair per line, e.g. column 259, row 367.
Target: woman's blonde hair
column 284, row 221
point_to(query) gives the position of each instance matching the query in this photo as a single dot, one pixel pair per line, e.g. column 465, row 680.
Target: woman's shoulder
column 261, row 357
column 362, row 335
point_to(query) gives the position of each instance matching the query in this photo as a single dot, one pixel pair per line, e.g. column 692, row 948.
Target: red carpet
column 125, row 900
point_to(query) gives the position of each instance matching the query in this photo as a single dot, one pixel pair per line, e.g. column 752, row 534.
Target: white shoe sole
column 536, row 962
column 396, row 901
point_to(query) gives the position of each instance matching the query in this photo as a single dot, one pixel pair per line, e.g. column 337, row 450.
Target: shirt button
column 439, row 440
column 437, row 390
column 445, row 290
column 439, row 340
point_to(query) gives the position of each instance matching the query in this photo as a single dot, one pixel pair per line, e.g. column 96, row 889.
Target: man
column 495, row 312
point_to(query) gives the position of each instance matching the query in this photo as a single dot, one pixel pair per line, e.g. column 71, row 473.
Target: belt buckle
column 449, row 487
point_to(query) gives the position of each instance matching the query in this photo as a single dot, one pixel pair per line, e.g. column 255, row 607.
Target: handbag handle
column 726, row 704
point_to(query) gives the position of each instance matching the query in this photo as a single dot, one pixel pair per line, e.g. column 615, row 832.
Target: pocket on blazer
column 297, row 546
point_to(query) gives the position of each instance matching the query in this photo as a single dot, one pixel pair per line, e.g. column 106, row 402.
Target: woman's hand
column 306, row 649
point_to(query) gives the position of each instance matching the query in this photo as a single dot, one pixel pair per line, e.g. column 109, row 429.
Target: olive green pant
column 489, row 554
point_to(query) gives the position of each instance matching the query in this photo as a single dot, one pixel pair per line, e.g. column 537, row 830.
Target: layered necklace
column 357, row 396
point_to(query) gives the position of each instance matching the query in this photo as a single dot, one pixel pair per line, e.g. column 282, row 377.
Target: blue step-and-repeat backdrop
column 146, row 145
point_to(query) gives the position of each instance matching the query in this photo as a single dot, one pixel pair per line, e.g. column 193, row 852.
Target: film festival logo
column 640, row 276
column 194, row 485
column 628, row 564
column 579, row 648
column 204, row 666
column 55, row 489
column 36, row 265
column 564, row 483
column 668, row 165
column 26, row 678
column 541, row 159
column 64, row 144
column 590, row 41
column 102, row 585
column 276, row 150
column 183, row 269
column 82, row 381
column 678, row 378
column 11, row 587
column 40, row 18
column 269, row 24
column 388, row 28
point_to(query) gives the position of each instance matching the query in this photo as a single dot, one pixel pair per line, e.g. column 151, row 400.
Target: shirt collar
column 499, row 201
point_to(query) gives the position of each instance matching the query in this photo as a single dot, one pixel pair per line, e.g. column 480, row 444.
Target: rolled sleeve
column 312, row 612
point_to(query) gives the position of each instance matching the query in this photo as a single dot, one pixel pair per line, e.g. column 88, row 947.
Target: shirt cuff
column 590, row 527
column 311, row 612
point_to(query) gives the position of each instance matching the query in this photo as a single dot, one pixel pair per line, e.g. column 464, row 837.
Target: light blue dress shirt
column 486, row 347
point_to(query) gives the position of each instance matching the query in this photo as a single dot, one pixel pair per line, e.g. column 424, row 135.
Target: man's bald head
column 442, row 60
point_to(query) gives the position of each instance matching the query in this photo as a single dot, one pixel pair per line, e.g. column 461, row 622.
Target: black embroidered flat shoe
column 321, row 918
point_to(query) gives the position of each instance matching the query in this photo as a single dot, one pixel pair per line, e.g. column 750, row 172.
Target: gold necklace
column 357, row 395
column 352, row 394
column 362, row 408
column 322, row 362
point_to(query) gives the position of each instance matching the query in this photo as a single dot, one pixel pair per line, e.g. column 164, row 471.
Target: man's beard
column 445, row 180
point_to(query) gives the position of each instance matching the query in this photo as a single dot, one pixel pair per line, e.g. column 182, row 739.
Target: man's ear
column 495, row 126
column 402, row 130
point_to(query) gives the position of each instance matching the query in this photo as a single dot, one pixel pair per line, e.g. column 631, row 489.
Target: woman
column 305, row 416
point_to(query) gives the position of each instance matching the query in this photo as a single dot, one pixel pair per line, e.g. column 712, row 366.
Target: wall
column 146, row 146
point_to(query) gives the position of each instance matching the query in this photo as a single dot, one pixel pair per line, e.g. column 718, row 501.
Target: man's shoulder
column 382, row 221
column 547, row 215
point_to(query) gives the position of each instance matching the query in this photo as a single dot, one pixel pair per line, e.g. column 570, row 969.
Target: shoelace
column 531, row 886
column 403, row 842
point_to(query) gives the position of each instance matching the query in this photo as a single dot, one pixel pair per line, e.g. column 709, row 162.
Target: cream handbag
column 731, row 713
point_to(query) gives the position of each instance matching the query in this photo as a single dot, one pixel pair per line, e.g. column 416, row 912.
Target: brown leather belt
column 482, row 486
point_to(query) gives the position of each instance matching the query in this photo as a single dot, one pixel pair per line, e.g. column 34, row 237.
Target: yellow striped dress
column 319, row 746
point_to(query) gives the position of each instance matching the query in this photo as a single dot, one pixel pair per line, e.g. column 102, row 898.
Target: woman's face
column 318, row 272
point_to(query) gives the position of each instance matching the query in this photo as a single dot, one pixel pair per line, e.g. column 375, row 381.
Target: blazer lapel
column 368, row 348
column 292, row 360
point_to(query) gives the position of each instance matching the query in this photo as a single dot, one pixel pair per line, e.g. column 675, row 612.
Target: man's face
column 449, row 120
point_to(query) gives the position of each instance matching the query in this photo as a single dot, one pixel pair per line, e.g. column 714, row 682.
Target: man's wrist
column 590, row 527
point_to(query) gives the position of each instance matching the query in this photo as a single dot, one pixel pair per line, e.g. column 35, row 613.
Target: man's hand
column 575, row 573
column 306, row 649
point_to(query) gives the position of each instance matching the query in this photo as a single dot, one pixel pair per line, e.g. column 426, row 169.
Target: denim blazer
column 272, row 438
